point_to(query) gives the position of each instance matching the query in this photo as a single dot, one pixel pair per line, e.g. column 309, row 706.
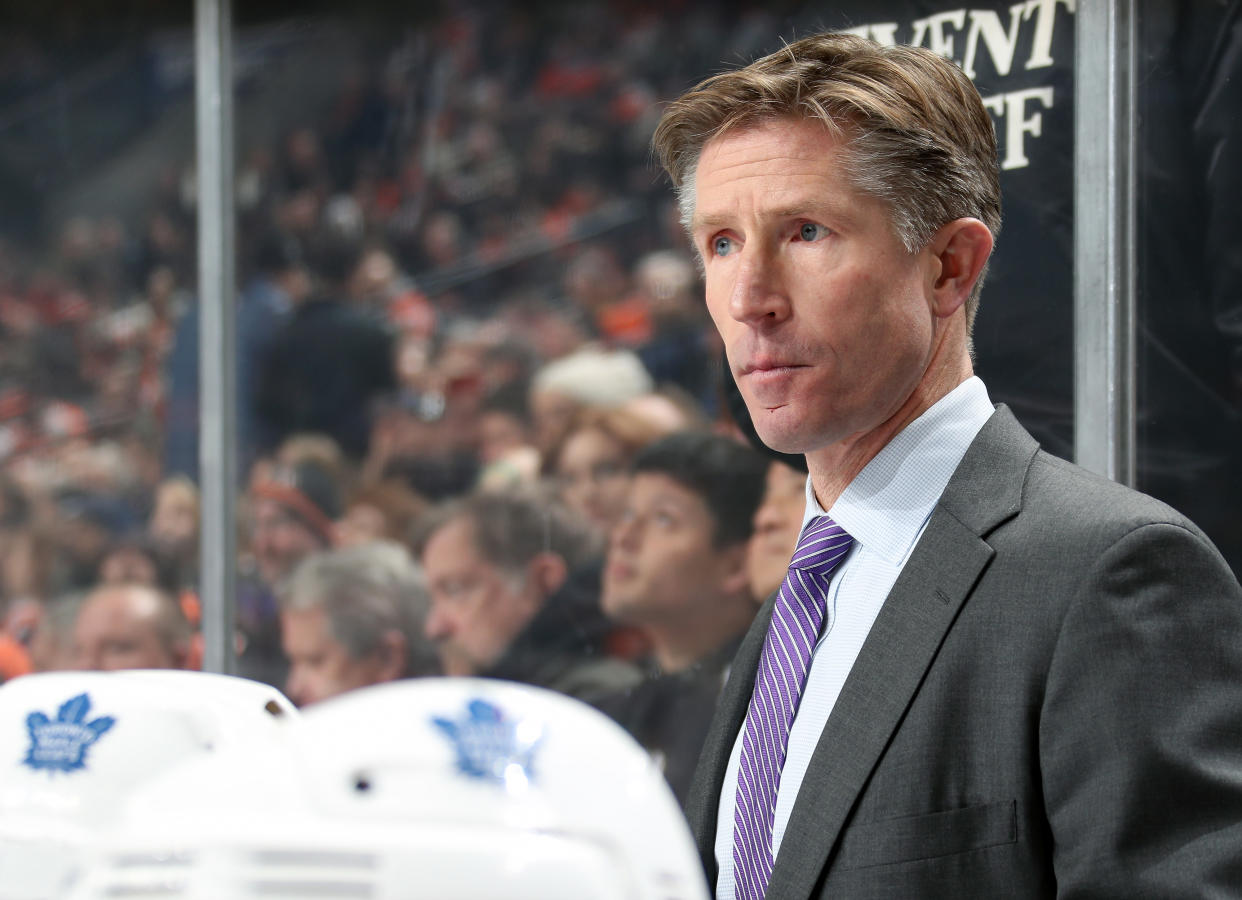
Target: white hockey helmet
column 75, row 745
column 446, row 788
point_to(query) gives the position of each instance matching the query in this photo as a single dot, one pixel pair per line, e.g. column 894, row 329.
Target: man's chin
column 776, row 426
column 457, row 666
column 782, row 439
column 615, row 604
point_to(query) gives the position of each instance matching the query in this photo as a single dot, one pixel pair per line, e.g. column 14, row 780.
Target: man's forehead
column 456, row 534
column 787, row 137
column 772, row 183
column 268, row 510
column 308, row 625
column 651, row 488
column 129, row 601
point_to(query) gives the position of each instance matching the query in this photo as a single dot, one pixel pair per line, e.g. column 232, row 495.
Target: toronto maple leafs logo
column 60, row 744
column 490, row 746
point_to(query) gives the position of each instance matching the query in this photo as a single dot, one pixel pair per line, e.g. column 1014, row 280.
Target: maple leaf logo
column 60, row 744
column 490, row 746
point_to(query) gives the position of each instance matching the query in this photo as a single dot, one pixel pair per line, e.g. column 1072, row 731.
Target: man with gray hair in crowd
column 514, row 583
column 353, row 617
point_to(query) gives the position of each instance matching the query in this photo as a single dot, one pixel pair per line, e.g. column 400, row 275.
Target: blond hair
column 914, row 131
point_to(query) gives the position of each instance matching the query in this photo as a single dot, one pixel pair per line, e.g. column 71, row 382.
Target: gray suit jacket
column 1048, row 705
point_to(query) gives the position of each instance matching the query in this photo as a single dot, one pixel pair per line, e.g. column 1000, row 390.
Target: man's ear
column 188, row 654
column 547, row 572
column 735, row 577
column 390, row 654
column 961, row 248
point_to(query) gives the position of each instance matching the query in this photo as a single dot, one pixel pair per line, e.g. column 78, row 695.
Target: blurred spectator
column 327, row 364
column 509, row 362
column 51, row 643
column 88, row 524
column 588, row 377
column 778, row 522
column 14, row 658
column 173, row 527
column 279, row 281
column 134, row 560
column 514, row 584
column 174, row 520
column 132, row 627
column 456, row 381
column 21, row 618
column 316, row 448
column 677, row 568
column 597, row 283
column 591, row 463
column 353, row 617
column 292, row 511
column 554, row 330
column 506, row 447
column 677, row 559
column 385, row 510
column 24, row 551
column 683, row 343
column 670, row 409
column 409, row 442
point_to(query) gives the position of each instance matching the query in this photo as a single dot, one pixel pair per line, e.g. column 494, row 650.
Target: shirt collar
column 885, row 506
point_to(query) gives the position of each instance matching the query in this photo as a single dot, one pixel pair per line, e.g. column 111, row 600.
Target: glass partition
column 1189, row 331
column 460, row 274
column 459, row 270
column 96, row 274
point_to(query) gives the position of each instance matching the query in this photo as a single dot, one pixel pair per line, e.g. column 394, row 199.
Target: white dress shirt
column 885, row 509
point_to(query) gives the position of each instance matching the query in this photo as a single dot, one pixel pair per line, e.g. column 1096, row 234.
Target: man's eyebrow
column 818, row 209
column 709, row 221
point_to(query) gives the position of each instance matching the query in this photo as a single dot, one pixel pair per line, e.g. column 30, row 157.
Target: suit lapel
column 902, row 644
column 703, row 801
column 985, row 490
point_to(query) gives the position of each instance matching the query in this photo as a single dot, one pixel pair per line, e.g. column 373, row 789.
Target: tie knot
column 821, row 547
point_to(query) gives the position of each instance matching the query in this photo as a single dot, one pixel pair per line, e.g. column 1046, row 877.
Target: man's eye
column 722, row 246
column 812, row 232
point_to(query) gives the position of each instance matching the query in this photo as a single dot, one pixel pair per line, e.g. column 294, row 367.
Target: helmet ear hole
column 362, row 783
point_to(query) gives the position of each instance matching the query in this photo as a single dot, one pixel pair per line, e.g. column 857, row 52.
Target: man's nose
column 624, row 532
column 436, row 626
column 758, row 295
column 766, row 518
column 294, row 689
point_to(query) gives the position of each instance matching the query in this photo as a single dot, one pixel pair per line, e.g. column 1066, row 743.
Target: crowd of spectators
column 464, row 312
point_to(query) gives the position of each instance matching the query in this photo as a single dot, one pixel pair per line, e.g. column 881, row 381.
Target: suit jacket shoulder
column 1056, row 653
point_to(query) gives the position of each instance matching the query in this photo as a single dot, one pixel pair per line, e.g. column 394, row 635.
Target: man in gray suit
column 1018, row 679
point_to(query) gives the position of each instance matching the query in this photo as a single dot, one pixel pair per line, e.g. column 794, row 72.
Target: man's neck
column 832, row 468
column 676, row 645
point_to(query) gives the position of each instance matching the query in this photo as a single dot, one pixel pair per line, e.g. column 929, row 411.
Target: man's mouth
column 619, row 571
column 763, row 365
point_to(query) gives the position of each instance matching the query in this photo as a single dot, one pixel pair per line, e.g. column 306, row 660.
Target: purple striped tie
column 796, row 620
